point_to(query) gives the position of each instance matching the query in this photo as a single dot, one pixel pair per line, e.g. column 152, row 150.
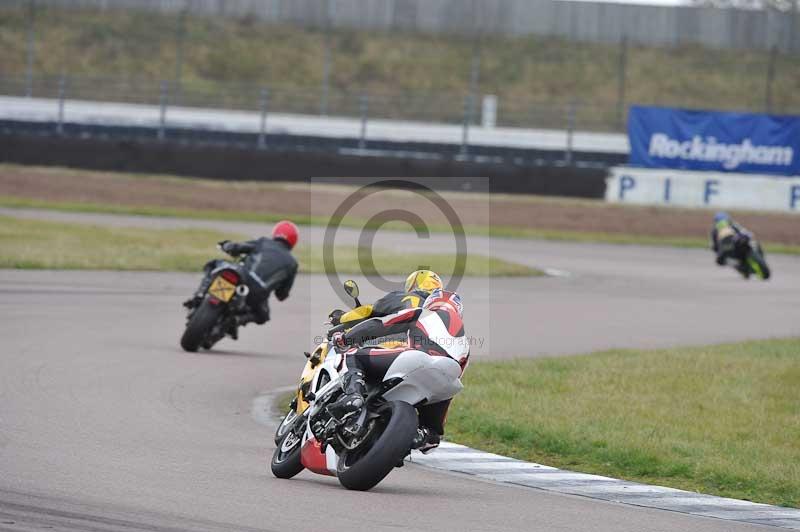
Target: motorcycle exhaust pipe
column 242, row 290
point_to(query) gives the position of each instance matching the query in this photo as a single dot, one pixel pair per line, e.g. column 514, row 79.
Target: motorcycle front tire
column 392, row 445
column 287, row 463
column 199, row 325
column 286, row 424
column 763, row 271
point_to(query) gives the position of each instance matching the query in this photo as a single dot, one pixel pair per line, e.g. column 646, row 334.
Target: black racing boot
column 426, row 440
column 240, row 320
column 205, row 282
column 244, row 318
column 197, row 298
column 232, row 328
column 193, row 302
column 353, row 399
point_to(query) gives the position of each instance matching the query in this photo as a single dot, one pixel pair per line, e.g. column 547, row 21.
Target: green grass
column 494, row 231
column 723, row 420
column 531, row 75
column 35, row 244
column 280, row 403
column 171, row 212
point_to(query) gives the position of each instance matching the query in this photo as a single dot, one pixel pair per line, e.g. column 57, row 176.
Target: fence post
column 326, row 60
column 475, row 65
column 61, row 95
column 31, row 48
column 262, row 132
column 571, row 112
column 180, row 37
column 363, row 105
column 773, row 53
column 489, row 111
column 621, row 77
column 163, row 117
column 475, row 69
column 793, row 40
column 465, row 128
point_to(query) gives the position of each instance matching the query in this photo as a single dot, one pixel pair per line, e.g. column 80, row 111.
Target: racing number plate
column 222, row 289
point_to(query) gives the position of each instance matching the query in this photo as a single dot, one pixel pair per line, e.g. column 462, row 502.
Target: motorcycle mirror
column 351, row 288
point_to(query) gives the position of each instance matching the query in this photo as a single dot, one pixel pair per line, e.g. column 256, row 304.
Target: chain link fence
column 193, row 60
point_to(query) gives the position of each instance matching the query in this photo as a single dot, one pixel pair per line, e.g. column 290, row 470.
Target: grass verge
column 280, row 403
column 723, row 420
column 494, row 231
column 36, row 244
column 626, row 239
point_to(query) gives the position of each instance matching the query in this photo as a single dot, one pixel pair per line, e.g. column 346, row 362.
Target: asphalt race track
column 105, row 424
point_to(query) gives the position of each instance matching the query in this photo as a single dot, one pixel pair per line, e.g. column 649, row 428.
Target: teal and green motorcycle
column 751, row 259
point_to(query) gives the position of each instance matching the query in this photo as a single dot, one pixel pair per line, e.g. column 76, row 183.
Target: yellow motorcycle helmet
column 424, row 280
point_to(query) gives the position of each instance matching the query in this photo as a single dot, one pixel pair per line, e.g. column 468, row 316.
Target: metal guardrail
column 266, row 100
column 410, row 106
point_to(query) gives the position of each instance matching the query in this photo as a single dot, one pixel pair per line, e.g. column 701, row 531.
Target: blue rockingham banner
column 706, row 140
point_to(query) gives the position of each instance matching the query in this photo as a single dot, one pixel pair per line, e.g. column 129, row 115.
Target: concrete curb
column 458, row 458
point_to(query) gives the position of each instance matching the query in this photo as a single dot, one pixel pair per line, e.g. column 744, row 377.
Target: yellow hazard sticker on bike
column 222, row 289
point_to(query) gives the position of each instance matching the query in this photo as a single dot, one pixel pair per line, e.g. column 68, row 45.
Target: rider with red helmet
column 436, row 328
column 270, row 266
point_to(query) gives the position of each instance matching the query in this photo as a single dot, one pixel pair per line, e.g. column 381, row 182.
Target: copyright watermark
column 466, row 341
column 418, row 198
column 378, row 231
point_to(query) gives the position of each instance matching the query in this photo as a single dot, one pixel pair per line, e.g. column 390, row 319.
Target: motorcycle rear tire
column 389, row 449
column 201, row 322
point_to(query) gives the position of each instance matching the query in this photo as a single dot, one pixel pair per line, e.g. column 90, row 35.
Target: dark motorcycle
column 214, row 317
column 751, row 259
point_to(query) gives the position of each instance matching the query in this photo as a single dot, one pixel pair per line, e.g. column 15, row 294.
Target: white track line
column 553, row 272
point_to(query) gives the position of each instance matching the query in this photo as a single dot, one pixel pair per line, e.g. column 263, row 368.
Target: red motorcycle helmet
column 286, row 231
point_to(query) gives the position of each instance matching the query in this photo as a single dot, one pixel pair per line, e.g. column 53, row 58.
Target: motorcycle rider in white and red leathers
column 436, row 329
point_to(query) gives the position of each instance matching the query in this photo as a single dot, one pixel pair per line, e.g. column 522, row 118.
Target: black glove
column 335, row 316
column 334, row 330
column 225, row 245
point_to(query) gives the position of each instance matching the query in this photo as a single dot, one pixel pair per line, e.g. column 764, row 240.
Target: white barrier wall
column 702, row 189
